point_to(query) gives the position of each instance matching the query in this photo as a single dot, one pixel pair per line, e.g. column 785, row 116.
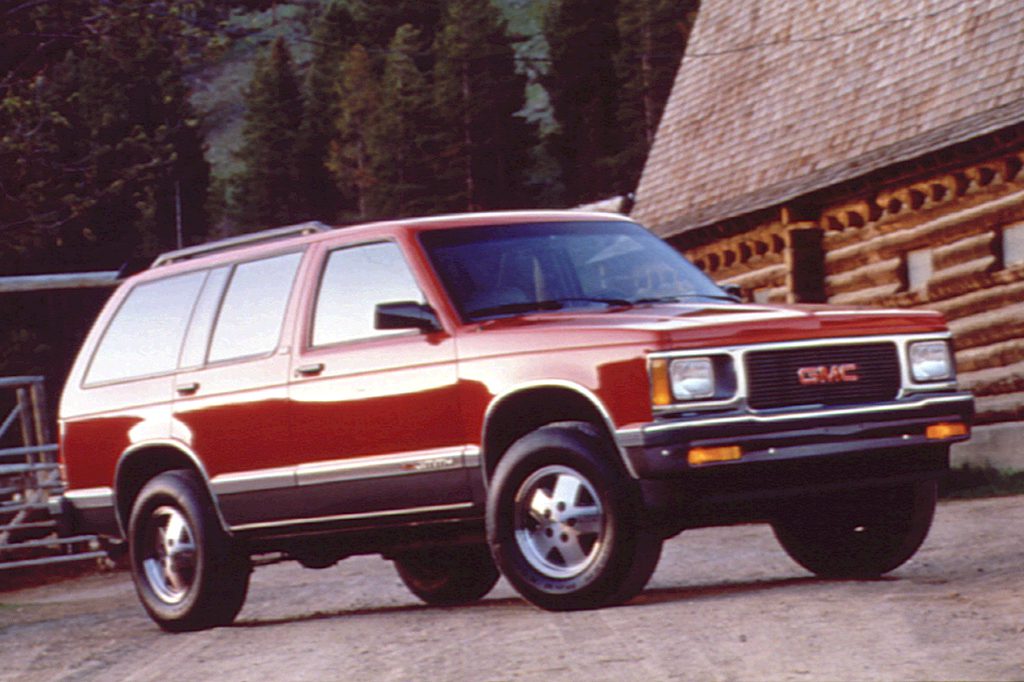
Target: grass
column 971, row 482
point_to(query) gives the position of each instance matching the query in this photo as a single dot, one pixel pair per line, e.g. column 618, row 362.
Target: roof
column 258, row 244
column 776, row 99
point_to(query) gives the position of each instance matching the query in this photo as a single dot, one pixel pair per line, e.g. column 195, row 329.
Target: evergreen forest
column 132, row 127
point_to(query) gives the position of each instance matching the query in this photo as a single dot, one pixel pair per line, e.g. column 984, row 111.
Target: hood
column 686, row 325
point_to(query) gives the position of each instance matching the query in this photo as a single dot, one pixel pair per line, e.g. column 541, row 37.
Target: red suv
column 550, row 395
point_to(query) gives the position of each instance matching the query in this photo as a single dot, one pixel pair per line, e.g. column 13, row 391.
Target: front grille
column 773, row 376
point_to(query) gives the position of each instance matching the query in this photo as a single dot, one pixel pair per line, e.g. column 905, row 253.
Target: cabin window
column 1013, row 245
column 919, row 269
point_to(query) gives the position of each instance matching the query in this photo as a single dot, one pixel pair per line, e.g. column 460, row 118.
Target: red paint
column 414, row 391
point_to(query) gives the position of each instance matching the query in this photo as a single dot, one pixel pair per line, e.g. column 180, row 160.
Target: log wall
column 944, row 241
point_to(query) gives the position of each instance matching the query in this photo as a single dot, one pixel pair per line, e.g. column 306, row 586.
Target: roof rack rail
column 241, row 240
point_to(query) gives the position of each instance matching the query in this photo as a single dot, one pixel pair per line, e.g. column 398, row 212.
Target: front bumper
column 659, row 450
column 786, row 456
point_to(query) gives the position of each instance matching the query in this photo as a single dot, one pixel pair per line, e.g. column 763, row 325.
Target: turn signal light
column 661, row 392
column 723, row 454
column 944, row 430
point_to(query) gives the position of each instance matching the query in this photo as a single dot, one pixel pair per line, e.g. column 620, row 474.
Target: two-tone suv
column 550, row 395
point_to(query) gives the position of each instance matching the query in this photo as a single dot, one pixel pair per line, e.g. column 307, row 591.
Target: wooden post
column 806, row 260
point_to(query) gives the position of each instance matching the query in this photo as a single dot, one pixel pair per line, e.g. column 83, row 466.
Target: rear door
column 231, row 400
column 377, row 421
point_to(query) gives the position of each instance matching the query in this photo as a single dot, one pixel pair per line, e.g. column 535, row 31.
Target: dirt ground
column 724, row 604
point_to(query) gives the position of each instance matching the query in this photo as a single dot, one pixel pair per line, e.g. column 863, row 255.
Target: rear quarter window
column 144, row 337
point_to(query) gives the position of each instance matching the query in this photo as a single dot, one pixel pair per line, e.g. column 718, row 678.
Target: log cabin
column 860, row 153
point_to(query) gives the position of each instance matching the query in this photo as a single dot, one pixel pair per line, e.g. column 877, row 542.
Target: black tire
column 565, row 522
column 186, row 570
column 449, row 575
column 862, row 537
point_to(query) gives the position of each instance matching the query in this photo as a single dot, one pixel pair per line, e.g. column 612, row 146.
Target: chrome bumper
column 660, row 449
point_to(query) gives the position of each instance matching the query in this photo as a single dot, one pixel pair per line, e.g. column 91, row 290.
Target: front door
column 376, row 418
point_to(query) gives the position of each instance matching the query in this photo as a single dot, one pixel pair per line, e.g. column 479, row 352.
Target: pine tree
column 584, row 92
column 401, row 135
column 266, row 193
column 483, row 154
column 379, row 21
column 101, row 153
column 349, row 160
column 652, row 35
column 334, row 34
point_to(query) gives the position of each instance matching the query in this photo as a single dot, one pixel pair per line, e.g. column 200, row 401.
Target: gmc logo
column 828, row 374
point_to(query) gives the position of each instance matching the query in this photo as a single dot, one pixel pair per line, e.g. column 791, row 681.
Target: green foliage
column 99, row 140
column 267, row 192
column 401, row 139
column 584, row 93
column 652, row 37
column 970, row 482
column 484, row 145
column 334, row 34
column 612, row 68
column 358, row 95
column 379, row 21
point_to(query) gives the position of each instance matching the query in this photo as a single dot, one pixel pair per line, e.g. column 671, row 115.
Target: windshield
column 494, row 271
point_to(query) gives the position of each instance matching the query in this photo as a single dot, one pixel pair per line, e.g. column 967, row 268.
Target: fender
column 582, row 391
column 162, row 444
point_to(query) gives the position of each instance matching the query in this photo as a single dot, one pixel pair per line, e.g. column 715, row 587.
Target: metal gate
column 29, row 475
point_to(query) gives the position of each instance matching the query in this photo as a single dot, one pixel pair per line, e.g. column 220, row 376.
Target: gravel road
column 724, row 604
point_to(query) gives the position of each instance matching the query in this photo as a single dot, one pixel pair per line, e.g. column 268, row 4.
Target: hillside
column 219, row 87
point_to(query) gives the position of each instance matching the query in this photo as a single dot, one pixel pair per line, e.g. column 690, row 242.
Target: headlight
column 692, row 378
column 931, row 361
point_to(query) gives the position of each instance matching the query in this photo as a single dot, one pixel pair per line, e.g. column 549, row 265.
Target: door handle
column 310, row 370
column 187, row 389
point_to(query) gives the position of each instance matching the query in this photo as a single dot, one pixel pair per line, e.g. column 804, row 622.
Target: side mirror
column 406, row 315
column 734, row 290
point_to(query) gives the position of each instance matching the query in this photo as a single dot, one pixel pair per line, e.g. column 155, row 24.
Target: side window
column 355, row 280
column 253, row 310
column 144, row 337
column 198, row 337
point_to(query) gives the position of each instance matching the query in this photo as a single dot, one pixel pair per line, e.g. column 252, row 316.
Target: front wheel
column 861, row 537
column 448, row 576
column 565, row 524
column 186, row 571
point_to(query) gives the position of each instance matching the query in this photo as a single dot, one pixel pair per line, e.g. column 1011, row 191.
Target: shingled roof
column 778, row 98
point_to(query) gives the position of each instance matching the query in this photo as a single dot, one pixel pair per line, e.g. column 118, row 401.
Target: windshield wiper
column 548, row 304
column 614, row 302
column 679, row 297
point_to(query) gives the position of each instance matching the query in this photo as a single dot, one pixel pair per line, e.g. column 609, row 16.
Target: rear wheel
column 186, row 571
column 450, row 575
column 860, row 537
column 565, row 523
